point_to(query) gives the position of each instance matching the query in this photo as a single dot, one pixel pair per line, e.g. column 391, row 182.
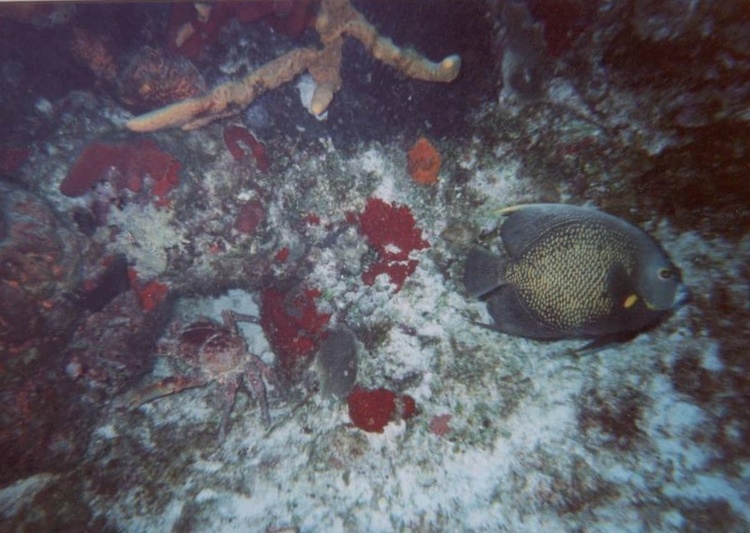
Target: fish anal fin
column 607, row 341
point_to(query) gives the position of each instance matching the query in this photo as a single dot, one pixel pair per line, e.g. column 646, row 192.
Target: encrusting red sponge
column 393, row 232
column 371, row 410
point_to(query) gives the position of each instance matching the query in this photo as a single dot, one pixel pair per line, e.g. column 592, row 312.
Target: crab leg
column 231, row 396
column 258, row 391
column 164, row 387
column 230, row 319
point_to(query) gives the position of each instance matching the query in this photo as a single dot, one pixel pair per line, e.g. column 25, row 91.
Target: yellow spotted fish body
column 568, row 271
column 569, row 298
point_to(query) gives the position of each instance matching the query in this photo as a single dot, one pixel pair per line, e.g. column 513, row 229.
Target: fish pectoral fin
column 483, row 272
column 482, row 325
column 620, row 287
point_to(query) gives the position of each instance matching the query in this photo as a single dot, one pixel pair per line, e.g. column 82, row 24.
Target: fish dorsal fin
column 528, row 223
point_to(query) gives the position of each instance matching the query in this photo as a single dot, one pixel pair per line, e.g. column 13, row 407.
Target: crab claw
column 164, row 387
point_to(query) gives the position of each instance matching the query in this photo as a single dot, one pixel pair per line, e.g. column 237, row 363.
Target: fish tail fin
column 483, row 272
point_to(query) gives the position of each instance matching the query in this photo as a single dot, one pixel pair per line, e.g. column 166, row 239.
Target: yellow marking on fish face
column 630, row 301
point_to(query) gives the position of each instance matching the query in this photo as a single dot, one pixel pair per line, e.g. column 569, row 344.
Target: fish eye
column 665, row 274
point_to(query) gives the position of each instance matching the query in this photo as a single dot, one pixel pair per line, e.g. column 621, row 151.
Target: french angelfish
column 573, row 272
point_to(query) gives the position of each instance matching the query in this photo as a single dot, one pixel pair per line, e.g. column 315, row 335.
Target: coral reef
column 423, row 162
column 125, row 165
column 611, row 418
column 294, row 329
column 562, row 22
column 39, row 269
column 93, row 52
column 249, row 217
column 336, row 19
column 235, row 136
column 217, row 353
column 44, row 424
column 12, row 158
column 152, row 295
column 111, row 348
column 148, row 235
column 646, row 117
column 440, row 425
column 194, row 27
column 112, row 282
column 154, row 78
column 150, row 77
column 42, row 420
column 525, row 67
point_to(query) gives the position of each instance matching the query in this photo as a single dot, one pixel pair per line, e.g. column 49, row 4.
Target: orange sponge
column 424, row 162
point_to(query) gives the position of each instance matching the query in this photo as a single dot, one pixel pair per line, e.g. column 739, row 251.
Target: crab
column 218, row 353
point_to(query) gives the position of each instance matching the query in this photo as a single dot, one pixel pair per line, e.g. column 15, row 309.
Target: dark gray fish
column 336, row 363
column 525, row 67
column 569, row 272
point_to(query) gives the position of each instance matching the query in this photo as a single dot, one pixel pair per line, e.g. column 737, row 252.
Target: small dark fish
column 336, row 363
column 113, row 282
column 573, row 272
